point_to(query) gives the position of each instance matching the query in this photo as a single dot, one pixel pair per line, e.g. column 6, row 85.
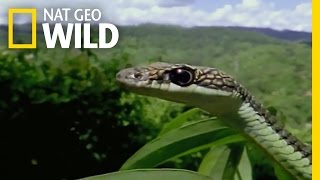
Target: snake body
column 221, row 95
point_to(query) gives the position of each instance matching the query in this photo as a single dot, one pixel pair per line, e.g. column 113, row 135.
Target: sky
column 276, row 14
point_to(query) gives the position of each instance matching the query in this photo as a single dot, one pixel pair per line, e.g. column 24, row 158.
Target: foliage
column 155, row 174
column 66, row 111
column 227, row 159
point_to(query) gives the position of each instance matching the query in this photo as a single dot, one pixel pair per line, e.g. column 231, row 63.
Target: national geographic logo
column 33, row 13
column 80, row 29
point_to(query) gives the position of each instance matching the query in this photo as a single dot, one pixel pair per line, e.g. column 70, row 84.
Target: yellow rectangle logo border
column 315, row 90
column 33, row 13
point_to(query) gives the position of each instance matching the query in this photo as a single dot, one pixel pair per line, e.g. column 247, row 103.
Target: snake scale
column 222, row 96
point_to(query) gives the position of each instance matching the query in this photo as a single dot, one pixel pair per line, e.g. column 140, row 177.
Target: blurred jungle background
column 63, row 116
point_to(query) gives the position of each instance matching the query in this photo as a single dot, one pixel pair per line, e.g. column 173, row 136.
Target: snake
column 221, row 95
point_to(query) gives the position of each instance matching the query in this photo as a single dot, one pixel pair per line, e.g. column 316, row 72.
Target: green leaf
column 221, row 162
column 281, row 173
column 177, row 142
column 217, row 149
column 244, row 167
column 228, row 139
column 154, row 174
column 179, row 120
column 231, row 168
column 214, row 162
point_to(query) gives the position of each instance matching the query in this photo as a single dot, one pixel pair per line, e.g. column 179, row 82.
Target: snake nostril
column 119, row 75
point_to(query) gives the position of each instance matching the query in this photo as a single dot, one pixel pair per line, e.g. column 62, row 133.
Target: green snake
column 221, row 95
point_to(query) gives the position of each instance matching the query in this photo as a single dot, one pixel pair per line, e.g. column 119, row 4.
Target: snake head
column 192, row 85
column 157, row 74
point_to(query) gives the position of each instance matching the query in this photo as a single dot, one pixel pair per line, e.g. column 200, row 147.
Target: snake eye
column 181, row 76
